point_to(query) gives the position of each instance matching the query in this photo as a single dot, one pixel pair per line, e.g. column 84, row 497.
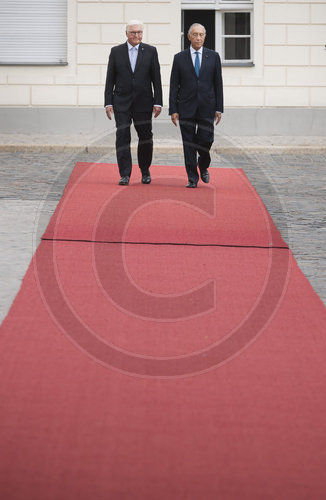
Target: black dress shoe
column 204, row 176
column 191, row 184
column 146, row 177
column 124, row 181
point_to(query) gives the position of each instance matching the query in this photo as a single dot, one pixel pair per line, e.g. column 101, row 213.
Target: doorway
column 204, row 17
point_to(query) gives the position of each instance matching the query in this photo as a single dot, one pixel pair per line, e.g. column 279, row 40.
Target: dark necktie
column 197, row 65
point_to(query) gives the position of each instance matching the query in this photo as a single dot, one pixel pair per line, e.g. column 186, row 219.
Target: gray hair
column 134, row 22
column 195, row 25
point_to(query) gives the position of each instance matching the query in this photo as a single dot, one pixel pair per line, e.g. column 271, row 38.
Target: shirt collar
column 192, row 50
column 132, row 46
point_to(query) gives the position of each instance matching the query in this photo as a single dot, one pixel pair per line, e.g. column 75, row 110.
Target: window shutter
column 33, row 32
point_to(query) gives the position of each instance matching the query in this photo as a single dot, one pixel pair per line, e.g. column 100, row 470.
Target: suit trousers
column 143, row 125
column 197, row 138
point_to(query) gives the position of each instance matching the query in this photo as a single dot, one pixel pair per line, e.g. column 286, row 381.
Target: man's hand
column 218, row 117
column 156, row 111
column 175, row 118
column 109, row 111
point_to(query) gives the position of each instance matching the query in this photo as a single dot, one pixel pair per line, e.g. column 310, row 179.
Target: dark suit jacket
column 189, row 94
column 141, row 89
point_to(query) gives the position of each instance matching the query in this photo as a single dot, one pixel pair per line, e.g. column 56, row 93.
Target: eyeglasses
column 134, row 33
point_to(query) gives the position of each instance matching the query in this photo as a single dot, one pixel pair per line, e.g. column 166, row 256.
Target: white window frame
column 221, row 7
column 220, row 38
column 25, row 26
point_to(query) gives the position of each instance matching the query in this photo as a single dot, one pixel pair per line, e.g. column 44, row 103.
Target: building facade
column 54, row 53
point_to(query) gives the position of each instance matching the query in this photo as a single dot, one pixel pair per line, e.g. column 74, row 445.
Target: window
column 33, row 32
column 229, row 26
column 236, row 36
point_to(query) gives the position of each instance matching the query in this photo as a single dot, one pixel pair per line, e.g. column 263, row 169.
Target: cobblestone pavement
column 292, row 187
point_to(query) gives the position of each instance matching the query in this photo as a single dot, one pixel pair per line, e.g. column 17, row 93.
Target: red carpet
column 163, row 372
column 228, row 211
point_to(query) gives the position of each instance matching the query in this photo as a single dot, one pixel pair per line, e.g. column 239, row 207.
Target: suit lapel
column 204, row 60
column 189, row 59
column 126, row 56
column 140, row 56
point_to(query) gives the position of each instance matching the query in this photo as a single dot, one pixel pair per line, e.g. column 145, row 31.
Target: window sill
column 32, row 64
column 238, row 64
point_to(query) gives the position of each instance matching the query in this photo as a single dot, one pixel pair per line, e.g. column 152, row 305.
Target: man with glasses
column 196, row 101
column 133, row 92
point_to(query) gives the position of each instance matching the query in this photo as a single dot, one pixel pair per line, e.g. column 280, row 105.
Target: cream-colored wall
column 289, row 55
column 94, row 27
column 294, row 53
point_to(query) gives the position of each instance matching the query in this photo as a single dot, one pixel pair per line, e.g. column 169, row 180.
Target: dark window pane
column 237, row 48
column 204, row 17
column 237, row 23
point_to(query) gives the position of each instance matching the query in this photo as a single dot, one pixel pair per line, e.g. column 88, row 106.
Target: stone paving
column 166, row 136
column 291, row 183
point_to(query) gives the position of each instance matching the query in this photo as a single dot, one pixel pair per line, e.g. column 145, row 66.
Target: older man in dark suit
column 133, row 92
column 196, row 100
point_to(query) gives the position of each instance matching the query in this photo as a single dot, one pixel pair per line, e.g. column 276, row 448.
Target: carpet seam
column 165, row 243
